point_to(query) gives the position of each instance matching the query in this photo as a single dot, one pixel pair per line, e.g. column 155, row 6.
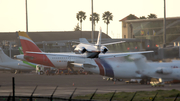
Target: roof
column 52, row 36
column 125, row 18
column 152, row 19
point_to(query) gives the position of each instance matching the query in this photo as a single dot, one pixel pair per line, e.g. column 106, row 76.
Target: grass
column 163, row 95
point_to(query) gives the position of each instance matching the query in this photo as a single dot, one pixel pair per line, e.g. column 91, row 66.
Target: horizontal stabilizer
column 83, row 40
column 113, row 43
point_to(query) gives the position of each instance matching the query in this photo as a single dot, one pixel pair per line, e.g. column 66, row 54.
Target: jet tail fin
column 4, row 57
column 27, row 43
column 140, row 61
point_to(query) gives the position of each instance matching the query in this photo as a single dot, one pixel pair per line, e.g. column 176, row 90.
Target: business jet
column 6, row 63
column 60, row 60
column 167, row 71
column 92, row 50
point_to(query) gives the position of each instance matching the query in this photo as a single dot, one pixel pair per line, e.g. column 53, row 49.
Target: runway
column 85, row 84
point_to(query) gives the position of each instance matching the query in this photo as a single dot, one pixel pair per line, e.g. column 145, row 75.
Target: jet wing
column 107, row 55
column 121, row 54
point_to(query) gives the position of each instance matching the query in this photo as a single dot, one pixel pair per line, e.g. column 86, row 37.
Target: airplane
column 59, row 60
column 92, row 50
column 6, row 63
column 166, row 71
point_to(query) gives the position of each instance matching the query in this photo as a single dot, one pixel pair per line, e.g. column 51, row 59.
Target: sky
column 60, row 15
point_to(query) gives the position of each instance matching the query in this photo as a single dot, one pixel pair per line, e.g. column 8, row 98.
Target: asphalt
column 85, row 84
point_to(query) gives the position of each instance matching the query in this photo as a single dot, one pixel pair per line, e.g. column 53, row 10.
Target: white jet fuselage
column 121, row 68
column 112, row 67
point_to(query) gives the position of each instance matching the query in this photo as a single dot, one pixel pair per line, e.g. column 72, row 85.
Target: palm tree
column 77, row 28
column 80, row 17
column 95, row 18
column 131, row 17
column 152, row 16
column 142, row 17
column 107, row 16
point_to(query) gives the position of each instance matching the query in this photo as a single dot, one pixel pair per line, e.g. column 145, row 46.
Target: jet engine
column 104, row 49
column 164, row 71
column 80, row 50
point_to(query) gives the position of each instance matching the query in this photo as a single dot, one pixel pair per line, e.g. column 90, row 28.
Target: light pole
column 164, row 22
column 26, row 17
column 92, row 33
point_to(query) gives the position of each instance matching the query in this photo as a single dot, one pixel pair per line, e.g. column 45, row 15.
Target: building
column 151, row 29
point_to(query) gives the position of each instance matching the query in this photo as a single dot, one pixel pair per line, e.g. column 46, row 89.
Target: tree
column 95, row 18
column 77, row 28
column 152, row 16
column 142, row 17
column 131, row 17
column 107, row 16
column 80, row 17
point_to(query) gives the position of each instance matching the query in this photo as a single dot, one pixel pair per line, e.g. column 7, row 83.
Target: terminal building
column 152, row 29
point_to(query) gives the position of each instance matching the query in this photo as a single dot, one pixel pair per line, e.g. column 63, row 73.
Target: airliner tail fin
column 27, row 43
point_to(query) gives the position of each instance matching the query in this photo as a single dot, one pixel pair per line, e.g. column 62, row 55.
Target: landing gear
column 70, row 66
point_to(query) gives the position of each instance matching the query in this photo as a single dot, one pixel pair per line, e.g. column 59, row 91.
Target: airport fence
column 12, row 96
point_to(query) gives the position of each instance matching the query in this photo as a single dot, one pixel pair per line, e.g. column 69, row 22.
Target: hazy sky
column 60, row 15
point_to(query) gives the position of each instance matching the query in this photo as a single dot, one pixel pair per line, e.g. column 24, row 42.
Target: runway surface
column 85, row 84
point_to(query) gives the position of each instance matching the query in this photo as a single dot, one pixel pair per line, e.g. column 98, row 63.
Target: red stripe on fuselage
column 29, row 46
column 101, row 69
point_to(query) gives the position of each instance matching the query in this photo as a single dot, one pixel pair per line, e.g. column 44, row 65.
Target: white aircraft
column 6, row 63
column 166, row 71
column 59, row 60
column 92, row 50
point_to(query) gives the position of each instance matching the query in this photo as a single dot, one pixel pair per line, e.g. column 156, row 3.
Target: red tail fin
column 27, row 43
